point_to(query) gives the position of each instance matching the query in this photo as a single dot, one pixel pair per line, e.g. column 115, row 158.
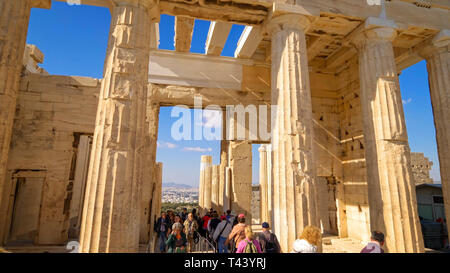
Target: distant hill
column 175, row 185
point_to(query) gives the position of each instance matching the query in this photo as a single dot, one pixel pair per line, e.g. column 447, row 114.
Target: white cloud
column 197, row 149
column 163, row 144
column 210, row 119
column 408, row 101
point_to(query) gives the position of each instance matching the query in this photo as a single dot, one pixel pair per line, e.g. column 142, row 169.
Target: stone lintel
column 41, row 4
column 282, row 8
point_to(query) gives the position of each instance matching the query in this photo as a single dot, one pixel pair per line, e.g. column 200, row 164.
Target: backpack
column 250, row 247
column 270, row 246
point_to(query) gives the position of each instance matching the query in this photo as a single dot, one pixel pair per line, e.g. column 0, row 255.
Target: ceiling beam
column 184, row 26
column 217, row 37
column 317, row 44
column 248, row 43
column 242, row 13
column 340, row 57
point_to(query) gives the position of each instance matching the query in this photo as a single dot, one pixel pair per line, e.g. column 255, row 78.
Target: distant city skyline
column 74, row 40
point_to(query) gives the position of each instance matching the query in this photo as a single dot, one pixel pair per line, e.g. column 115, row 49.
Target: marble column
column 201, row 203
column 14, row 18
column 205, row 181
column 294, row 188
column 158, row 189
column 224, row 143
column 264, row 202
column 269, row 178
column 223, row 165
column 240, row 162
column 227, row 190
column 437, row 54
column 215, row 187
column 155, row 204
column 392, row 196
column 111, row 211
column 148, row 166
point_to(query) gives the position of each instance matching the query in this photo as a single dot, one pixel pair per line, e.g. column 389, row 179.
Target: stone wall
column 326, row 144
column 256, row 204
column 326, row 124
column 50, row 112
column 355, row 203
column 421, row 167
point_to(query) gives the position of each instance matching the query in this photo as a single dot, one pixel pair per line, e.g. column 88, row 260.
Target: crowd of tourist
column 227, row 233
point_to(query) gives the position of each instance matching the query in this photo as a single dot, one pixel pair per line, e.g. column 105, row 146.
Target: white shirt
column 226, row 230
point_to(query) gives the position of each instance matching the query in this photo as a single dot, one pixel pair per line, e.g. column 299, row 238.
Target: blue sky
column 74, row 40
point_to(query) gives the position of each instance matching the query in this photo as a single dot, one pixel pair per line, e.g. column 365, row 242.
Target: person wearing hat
column 268, row 240
column 238, row 232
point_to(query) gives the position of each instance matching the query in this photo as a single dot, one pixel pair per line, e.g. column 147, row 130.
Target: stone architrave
column 294, row 188
column 111, row 211
column 437, row 55
column 392, row 197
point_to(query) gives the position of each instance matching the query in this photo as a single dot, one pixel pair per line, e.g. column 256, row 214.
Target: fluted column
column 269, row 178
column 215, row 187
column 264, row 204
column 111, row 211
column 227, row 190
column 392, row 197
column 158, row 190
column 223, row 166
column 201, row 187
column 293, row 161
column 205, row 182
column 437, row 55
column 14, row 18
column 240, row 162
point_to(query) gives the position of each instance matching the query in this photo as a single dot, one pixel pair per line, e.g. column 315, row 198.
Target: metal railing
column 203, row 245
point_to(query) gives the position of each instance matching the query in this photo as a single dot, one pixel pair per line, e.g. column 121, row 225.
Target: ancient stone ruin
column 78, row 155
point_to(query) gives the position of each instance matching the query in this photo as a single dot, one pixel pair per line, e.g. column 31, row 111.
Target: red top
column 205, row 221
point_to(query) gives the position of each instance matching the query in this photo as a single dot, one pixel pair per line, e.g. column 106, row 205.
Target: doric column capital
column 374, row 29
column 262, row 148
column 288, row 21
column 439, row 44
